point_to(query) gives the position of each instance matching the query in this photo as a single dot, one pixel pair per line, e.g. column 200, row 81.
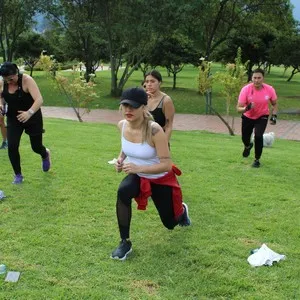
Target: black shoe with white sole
column 185, row 219
column 121, row 252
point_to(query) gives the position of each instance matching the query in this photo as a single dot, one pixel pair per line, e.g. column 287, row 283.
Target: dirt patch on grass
column 148, row 287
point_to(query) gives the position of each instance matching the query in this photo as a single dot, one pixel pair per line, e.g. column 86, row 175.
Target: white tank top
column 140, row 154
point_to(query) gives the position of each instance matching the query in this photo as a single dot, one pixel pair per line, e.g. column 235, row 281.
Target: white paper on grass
column 2, row 195
column 264, row 257
column 113, row 161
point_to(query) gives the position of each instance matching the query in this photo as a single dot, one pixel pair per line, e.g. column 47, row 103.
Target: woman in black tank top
column 23, row 99
column 160, row 104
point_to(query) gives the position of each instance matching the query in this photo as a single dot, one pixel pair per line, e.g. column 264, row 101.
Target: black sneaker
column 46, row 163
column 122, row 251
column 185, row 220
column 247, row 150
column 4, row 145
column 256, row 164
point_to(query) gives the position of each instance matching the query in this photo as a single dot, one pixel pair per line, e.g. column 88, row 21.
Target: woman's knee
column 169, row 224
column 128, row 188
column 13, row 146
column 124, row 194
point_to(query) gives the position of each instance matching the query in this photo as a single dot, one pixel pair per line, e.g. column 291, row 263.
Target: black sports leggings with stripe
column 14, row 134
column 259, row 125
column 129, row 188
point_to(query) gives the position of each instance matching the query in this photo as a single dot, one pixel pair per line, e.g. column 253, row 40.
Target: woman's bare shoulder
column 121, row 123
column 155, row 127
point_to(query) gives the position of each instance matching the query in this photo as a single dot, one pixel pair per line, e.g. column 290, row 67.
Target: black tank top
column 158, row 114
column 19, row 100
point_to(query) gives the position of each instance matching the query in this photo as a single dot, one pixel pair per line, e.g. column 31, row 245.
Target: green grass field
column 59, row 228
column 186, row 98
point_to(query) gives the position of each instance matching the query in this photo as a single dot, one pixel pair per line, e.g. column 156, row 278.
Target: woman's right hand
column 119, row 165
column 2, row 110
column 150, row 95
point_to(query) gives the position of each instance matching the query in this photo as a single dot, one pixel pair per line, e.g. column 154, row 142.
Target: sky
column 296, row 11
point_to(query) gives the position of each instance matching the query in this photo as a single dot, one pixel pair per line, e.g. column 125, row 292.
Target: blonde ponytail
column 146, row 131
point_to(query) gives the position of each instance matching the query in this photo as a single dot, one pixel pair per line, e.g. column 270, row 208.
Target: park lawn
column 59, row 228
column 185, row 96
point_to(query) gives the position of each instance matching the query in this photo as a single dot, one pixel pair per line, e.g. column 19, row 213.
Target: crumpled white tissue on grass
column 113, row 161
column 264, row 257
column 2, row 196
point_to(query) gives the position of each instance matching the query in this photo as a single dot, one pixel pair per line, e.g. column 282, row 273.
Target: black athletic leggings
column 14, row 134
column 259, row 125
column 162, row 198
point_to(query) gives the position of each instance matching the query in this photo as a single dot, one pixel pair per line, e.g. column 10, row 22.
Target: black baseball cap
column 135, row 97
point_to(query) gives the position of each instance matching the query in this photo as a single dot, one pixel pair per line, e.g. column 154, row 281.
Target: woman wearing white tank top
column 149, row 170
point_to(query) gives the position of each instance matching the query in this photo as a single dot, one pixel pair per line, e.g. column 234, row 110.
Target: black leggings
column 130, row 188
column 259, row 125
column 14, row 134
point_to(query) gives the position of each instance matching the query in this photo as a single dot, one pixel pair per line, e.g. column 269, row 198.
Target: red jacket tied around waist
column 170, row 180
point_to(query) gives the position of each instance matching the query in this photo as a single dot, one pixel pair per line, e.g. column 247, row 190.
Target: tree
column 131, row 30
column 205, row 82
column 29, row 47
column 15, row 18
column 232, row 81
column 79, row 19
column 256, row 39
column 173, row 53
column 222, row 17
column 78, row 92
column 283, row 45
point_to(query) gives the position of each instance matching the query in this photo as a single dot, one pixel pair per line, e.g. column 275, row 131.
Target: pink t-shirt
column 260, row 98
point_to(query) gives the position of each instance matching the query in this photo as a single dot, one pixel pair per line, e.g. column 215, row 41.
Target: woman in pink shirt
column 253, row 102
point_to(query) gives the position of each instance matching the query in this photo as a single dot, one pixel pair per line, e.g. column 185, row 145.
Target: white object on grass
column 2, row 195
column 113, row 161
column 264, row 256
column 268, row 139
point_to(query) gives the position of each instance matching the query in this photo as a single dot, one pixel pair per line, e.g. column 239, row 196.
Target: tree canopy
column 167, row 33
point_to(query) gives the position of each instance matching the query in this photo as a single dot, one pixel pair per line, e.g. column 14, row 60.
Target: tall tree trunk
column 249, row 71
column 174, row 80
column 114, row 91
column 295, row 71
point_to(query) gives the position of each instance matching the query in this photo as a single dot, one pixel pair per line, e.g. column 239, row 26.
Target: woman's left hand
column 23, row 116
column 130, row 168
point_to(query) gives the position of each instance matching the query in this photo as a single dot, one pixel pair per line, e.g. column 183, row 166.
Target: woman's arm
column 122, row 156
column 31, row 87
column 274, row 107
column 169, row 112
column 1, row 98
column 243, row 108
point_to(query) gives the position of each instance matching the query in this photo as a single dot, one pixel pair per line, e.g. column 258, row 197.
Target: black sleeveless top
column 19, row 100
column 158, row 114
